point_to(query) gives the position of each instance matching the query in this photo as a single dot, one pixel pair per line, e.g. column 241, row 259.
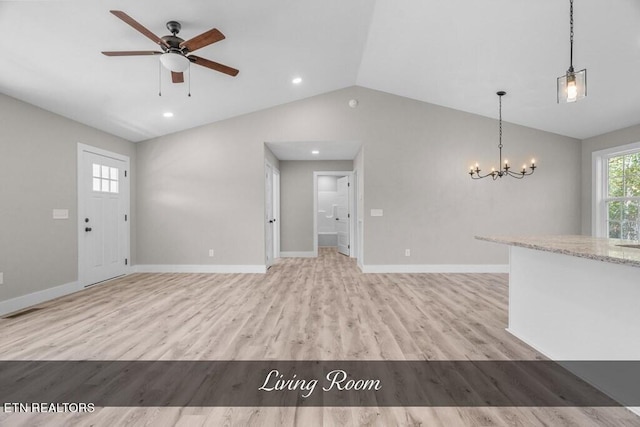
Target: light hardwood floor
column 302, row 309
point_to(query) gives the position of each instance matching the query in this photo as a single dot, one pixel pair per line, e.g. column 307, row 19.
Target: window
column 623, row 196
column 619, row 202
column 105, row 178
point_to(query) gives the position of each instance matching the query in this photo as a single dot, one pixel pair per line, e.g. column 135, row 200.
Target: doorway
column 334, row 211
column 103, row 215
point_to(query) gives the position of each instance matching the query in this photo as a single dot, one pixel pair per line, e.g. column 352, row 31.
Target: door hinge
column 348, row 246
column 348, row 184
column 348, row 215
column 125, row 217
column 125, row 174
column 126, row 261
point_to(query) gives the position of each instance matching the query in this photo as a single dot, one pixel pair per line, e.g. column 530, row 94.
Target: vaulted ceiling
column 455, row 53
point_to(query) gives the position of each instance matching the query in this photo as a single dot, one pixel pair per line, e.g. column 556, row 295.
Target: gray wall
column 416, row 163
column 608, row 140
column 204, row 188
column 38, row 170
column 296, row 201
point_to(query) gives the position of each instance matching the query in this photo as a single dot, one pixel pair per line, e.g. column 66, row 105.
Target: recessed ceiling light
column 315, row 152
column 297, row 80
column 168, row 114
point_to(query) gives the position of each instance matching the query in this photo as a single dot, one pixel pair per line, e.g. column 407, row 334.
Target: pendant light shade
column 573, row 85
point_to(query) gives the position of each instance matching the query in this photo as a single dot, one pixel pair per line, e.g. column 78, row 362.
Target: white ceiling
column 327, row 150
column 455, row 53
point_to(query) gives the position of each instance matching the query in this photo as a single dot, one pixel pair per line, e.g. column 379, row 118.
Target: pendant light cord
column 571, row 35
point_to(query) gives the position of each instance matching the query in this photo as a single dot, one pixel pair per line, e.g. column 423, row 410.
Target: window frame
column 600, row 182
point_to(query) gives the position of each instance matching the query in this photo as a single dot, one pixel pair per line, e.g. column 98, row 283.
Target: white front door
column 342, row 215
column 103, row 217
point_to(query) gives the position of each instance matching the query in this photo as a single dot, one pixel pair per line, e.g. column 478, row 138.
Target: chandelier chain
column 500, row 115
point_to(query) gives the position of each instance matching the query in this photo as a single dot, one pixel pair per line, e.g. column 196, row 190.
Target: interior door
column 103, row 218
column 268, row 215
column 342, row 215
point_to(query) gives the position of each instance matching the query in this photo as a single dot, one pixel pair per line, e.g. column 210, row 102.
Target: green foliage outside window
column 623, row 198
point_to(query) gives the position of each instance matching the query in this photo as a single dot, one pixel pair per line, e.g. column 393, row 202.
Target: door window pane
column 105, row 178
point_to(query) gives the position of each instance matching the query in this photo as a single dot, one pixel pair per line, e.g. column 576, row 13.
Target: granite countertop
column 596, row 248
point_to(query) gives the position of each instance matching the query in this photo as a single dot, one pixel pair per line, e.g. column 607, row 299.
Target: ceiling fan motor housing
column 174, row 44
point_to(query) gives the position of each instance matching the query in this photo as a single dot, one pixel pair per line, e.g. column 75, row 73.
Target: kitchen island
column 577, row 298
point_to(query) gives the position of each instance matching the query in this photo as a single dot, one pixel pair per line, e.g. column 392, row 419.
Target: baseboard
column 436, row 268
column 206, row 268
column 298, row 254
column 24, row 301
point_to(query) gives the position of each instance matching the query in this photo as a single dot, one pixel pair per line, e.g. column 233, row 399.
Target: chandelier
column 573, row 85
column 506, row 169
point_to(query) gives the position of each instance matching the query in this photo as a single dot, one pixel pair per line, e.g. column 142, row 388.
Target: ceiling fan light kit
column 176, row 55
column 174, row 62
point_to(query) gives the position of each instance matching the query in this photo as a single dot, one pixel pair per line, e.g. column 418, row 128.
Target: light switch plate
column 376, row 212
column 1, row 278
column 61, row 214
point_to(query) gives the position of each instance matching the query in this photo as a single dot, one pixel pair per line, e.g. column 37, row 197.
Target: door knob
column 87, row 229
column 337, row 219
column 271, row 221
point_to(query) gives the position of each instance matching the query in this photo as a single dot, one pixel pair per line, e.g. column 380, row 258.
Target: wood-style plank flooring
column 302, row 309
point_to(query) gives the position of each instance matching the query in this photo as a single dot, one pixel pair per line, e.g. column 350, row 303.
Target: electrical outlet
column 407, row 252
column 1, row 278
column 210, row 252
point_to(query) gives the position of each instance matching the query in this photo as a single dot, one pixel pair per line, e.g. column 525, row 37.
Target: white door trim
column 352, row 202
column 126, row 191
column 276, row 212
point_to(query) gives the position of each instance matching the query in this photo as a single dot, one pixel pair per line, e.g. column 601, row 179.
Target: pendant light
column 506, row 169
column 573, row 85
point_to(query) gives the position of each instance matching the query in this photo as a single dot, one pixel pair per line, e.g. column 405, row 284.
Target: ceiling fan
column 176, row 52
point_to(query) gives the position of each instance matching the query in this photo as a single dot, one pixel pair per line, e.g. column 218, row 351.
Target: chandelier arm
column 516, row 175
column 521, row 175
column 478, row 176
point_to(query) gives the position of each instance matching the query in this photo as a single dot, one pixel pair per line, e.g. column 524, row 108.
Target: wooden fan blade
column 138, row 26
column 132, row 53
column 204, row 39
column 177, row 77
column 213, row 65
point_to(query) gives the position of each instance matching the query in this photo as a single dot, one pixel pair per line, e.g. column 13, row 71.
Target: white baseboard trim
column 435, row 268
column 298, row 254
column 24, row 301
column 207, row 268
